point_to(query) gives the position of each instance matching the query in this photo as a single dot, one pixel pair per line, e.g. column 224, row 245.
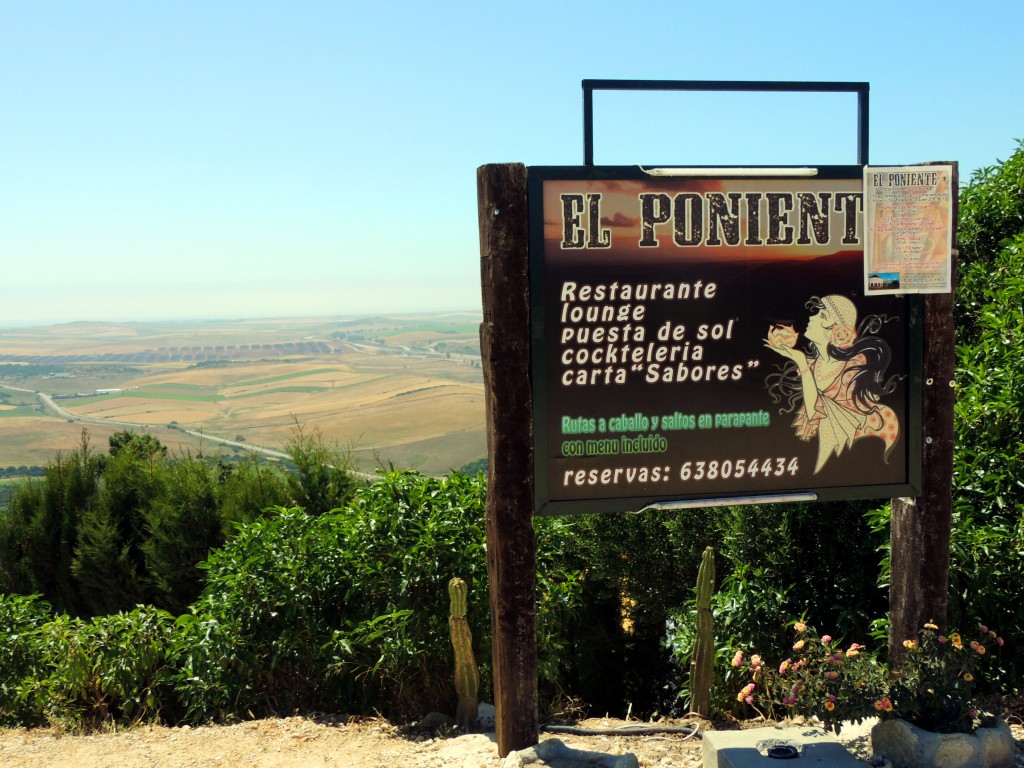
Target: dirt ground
column 298, row 742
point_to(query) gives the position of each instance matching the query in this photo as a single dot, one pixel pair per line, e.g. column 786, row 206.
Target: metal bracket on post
column 589, row 86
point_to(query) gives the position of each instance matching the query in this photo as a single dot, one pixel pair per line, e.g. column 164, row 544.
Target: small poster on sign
column 908, row 213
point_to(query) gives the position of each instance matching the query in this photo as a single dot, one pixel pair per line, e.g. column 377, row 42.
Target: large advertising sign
column 706, row 338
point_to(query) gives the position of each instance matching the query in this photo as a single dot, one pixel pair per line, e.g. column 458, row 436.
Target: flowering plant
column 933, row 685
column 820, row 678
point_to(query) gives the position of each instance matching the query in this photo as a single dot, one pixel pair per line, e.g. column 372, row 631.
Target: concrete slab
column 775, row 747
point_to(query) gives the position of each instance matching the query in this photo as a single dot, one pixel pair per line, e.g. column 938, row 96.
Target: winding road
column 51, row 407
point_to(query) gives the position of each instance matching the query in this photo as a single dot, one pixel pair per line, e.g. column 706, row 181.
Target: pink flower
column 854, row 649
column 737, row 659
column 999, row 642
column 798, row 645
column 755, row 661
column 982, row 629
column 784, row 666
column 749, row 699
column 942, row 639
column 826, row 639
column 832, row 698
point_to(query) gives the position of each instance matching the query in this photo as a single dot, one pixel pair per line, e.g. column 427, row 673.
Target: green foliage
column 405, row 537
column 183, row 525
column 142, row 445
column 100, row 534
column 987, row 546
column 340, row 611
column 83, row 674
column 38, row 532
column 22, row 656
column 109, row 564
column 248, row 488
column 991, row 209
column 320, row 480
column 260, row 637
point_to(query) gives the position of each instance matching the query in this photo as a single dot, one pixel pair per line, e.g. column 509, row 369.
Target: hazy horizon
column 192, row 160
column 308, row 316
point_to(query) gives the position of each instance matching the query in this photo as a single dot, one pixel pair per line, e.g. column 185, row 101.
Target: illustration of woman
column 836, row 382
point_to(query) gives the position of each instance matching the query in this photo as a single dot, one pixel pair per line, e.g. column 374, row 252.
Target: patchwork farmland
column 404, row 390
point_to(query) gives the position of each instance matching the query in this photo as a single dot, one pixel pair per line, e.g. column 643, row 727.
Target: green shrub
column 182, row 526
column 404, row 538
column 22, row 656
column 114, row 669
column 259, row 637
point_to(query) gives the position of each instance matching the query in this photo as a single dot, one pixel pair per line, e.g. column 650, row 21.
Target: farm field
column 401, row 390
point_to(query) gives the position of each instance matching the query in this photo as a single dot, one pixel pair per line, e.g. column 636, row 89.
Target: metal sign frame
column 589, row 86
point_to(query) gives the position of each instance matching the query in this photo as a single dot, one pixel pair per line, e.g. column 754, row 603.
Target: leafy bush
column 114, row 669
column 259, row 637
column 102, row 533
column 987, row 545
column 22, row 655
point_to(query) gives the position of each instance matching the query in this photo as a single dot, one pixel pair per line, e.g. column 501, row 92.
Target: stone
column 907, row 746
column 485, row 716
column 553, row 753
column 435, row 720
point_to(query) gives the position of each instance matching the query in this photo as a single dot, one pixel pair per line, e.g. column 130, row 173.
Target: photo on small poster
column 908, row 215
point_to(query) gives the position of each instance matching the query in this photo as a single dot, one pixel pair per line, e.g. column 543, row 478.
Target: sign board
column 708, row 337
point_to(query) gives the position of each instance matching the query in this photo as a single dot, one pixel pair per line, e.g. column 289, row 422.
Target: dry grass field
column 380, row 386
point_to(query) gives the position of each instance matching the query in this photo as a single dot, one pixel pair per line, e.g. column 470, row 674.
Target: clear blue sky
column 253, row 159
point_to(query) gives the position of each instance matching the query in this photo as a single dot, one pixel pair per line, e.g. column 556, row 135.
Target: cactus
column 702, row 663
column 467, row 678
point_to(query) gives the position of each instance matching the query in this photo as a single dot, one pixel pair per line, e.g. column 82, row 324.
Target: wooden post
column 920, row 528
column 505, row 352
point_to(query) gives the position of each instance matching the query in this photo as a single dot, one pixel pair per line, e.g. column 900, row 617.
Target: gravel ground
column 298, row 742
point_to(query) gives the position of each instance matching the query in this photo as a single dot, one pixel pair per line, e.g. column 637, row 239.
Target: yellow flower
column 909, row 644
column 968, row 677
column 956, row 641
column 800, row 627
column 829, row 706
column 930, row 626
column 798, row 645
